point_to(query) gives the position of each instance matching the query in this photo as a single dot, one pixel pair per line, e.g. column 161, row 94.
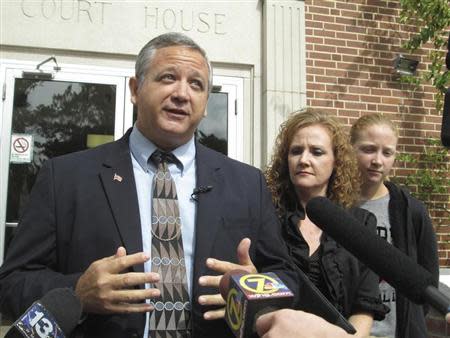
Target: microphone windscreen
column 65, row 307
column 388, row 262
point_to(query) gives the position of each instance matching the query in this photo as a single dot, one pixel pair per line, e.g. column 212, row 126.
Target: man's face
column 172, row 98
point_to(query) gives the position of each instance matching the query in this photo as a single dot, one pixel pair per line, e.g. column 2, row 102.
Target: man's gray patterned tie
column 172, row 314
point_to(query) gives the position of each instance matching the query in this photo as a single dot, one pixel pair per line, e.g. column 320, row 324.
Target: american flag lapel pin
column 117, row 178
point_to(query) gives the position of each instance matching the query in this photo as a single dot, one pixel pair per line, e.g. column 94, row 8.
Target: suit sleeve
column 271, row 251
column 30, row 267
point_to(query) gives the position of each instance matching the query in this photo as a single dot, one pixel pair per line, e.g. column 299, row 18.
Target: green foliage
column 432, row 19
column 431, row 177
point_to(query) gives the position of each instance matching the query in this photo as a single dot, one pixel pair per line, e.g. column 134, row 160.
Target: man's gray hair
column 147, row 53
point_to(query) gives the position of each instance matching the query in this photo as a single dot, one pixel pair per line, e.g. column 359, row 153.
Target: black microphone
column 399, row 270
column 249, row 296
column 54, row 316
column 200, row 190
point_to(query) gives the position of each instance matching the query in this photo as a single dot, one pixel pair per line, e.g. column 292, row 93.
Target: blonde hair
column 367, row 121
column 344, row 183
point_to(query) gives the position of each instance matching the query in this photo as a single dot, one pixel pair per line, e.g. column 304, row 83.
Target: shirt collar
column 141, row 148
column 296, row 215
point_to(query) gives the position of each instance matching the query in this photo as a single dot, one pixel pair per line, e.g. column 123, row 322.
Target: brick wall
column 351, row 45
column 436, row 324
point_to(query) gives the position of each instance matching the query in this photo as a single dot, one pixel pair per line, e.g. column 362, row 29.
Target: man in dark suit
column 88, row 222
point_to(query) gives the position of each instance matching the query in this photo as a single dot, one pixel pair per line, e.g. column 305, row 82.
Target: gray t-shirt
column 379, row 207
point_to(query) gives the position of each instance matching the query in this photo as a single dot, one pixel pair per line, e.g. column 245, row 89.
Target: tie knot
column 158, row 157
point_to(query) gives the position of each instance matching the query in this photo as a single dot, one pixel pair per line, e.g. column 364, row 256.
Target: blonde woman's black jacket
column 412, row 233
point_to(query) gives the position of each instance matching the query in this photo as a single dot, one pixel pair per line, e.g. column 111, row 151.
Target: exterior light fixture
column 404, row 65
column 39, row 74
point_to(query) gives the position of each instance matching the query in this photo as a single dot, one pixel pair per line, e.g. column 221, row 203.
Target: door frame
column 234, row 88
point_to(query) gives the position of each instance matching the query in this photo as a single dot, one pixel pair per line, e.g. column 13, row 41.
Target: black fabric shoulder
column 217, row 159
column 416, row 207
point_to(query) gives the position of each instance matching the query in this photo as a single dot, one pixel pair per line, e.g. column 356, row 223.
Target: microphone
column 399, row 270
column 54, row 316
column 200, row 190
column 249, row 296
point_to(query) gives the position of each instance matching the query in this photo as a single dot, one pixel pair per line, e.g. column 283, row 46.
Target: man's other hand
column 105, row 287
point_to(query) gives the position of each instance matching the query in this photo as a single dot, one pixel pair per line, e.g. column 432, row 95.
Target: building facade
column 65, row 66
column 351, row 46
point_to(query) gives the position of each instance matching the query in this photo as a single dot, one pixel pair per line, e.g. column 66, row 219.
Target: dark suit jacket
column 78, row 213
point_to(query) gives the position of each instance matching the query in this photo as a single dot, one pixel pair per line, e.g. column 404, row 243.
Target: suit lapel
column 120, row 188
column 208, row 217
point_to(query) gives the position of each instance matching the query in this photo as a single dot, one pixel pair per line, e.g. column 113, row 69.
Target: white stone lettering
column 85, row 11
column 26, row 10
column 203, row 17
column 72, row 11
column 103, row 4
column 184, row 20
column 48, row 8
column 169, row 19
column 151, row 14
column 218, row 24
column 187, row 20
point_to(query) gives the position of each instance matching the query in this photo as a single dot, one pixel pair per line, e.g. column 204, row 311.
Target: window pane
column 62, row 117
column 213, row 130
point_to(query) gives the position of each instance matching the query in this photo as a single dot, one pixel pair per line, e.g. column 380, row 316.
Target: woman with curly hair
column 313, row 157
column 402, row 220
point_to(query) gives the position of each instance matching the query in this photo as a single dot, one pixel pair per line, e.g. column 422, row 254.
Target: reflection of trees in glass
column 59, row 115
column 212, row 131
column 213, row 142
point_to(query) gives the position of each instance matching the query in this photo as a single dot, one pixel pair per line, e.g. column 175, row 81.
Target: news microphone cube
column 38, row 322
column 251, row 295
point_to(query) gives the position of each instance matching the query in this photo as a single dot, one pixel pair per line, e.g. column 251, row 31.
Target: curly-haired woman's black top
column 348, row 284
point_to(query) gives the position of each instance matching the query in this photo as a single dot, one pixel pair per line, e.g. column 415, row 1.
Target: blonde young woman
column 401, row 219
column 313, row 157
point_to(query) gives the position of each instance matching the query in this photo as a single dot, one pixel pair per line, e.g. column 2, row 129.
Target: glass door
column 43, row 118
column 222, row 128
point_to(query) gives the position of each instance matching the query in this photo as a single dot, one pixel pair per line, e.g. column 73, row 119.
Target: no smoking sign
column 21, row 148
